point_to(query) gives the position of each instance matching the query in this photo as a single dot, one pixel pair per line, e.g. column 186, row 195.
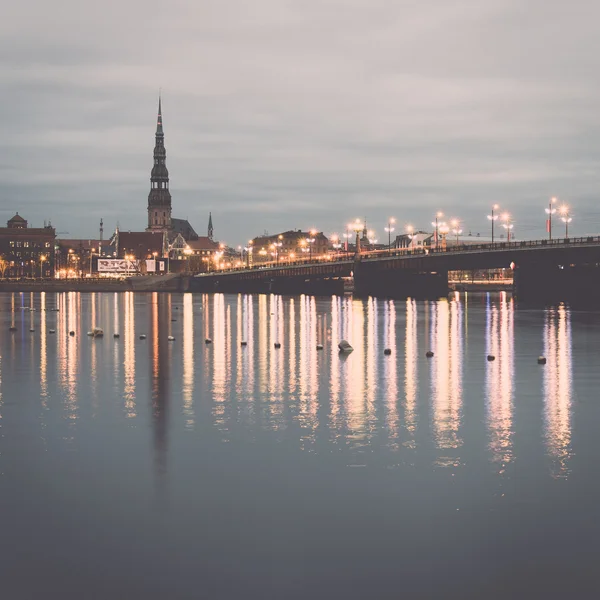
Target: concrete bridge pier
column 378, row 279
column 542, row 283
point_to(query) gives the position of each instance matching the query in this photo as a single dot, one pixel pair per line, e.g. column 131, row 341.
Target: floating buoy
column 429, row 354
column 173, row 320
column 387, row 351
column 52, row 331
column 319, row 346
column 12, row 328
column 277, row 345
column 97, row 332
column 208, row 341
column 177, row 308
column 171, row 338
column 243, row 343
column 491, row 357
column 344, row 346
column 115, row 335
column 71, row 333
column 142, row 337
column 90, row 333
column 541, row 360
column 32, row 330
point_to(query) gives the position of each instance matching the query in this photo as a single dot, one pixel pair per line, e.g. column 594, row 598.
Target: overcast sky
column 284, row 114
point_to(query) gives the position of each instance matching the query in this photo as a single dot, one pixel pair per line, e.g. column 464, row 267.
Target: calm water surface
column 178, row 469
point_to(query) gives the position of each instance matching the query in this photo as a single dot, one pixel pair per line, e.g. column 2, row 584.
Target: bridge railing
column 345, row 257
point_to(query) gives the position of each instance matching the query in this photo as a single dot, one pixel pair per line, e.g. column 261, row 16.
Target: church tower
column 159, row 198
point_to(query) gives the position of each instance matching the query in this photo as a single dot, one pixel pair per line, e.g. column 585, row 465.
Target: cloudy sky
column 284, row 114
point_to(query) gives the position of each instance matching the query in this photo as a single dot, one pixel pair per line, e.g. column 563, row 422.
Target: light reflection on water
column 354, row 402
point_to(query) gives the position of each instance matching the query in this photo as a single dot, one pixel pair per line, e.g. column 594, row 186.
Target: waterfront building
column 289, row 245
column 26, row 251
column 74, row 257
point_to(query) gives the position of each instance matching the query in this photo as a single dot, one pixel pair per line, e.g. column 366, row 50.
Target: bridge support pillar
column 372, row 280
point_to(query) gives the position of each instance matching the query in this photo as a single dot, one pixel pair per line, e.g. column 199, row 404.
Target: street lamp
column 438, row 215
column 566, row 218
column 444, row 230
column 389, row 230
column 493, row 218
column 456, row 230
column 508, row 225
column 550, row 211
column 335, row 241
column 357, row 226
column 42, row 259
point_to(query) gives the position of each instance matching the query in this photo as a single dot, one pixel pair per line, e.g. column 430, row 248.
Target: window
column 26, row 244
column 12, row 244
column 47, row 244
column 18, row 244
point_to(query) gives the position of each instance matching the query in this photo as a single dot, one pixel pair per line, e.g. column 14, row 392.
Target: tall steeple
column 159, row 198
column 210, row 227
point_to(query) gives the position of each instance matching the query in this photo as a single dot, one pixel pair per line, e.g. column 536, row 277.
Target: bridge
column 564, row 269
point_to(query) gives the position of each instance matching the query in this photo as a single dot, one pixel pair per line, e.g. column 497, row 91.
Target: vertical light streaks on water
column 263, row 343
column 446, row 381
column 220, row 364
column 390, row 373
column 129, row 355
column 499, row 380
column 558, row 381
column 292, row 370
column 69, row 359
column 116, row 329
column 411, row 352
column 308, row 380
column 274, row 408
column 335, row 410
column 372, row 357
column 188, row 360
column 93, row 349
column 354, row 372
column 43, row 352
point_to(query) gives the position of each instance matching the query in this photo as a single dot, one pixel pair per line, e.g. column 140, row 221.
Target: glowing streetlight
column 389, row 230
column 507, row 224
column 456, row 230
column 550, row 211
column 565, row 217
column 493, row 217
column 444, row 230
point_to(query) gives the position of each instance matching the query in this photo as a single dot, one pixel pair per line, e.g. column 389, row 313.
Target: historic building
column 289, row 245
column 26, row 251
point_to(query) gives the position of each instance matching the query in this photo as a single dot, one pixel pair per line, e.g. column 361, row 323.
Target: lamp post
column 493, row 218
column 438, row 215
column 357, row 226
column 550, row 211
column 456, row 230
column 507, row 224
column 566, row 218
column 335, row 241
column 444, row 230
column 389, row 230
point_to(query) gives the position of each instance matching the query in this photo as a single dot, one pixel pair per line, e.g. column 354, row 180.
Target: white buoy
column 208, row 341
column 97, row 332
column 143, row 336
column 541, row 360
column 344, row 346
column 319, row 346
column 52, row 331
column 171, row 338
column 32, row 330
column 90, row 333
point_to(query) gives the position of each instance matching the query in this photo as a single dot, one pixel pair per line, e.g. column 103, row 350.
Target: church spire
column 210, row 227
column 159, row 129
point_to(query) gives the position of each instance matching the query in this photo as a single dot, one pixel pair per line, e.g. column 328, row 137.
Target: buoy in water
column 171, row 338
column 319, row 346
column 142, row 337
column 71, row 333
column 491, row 357
column 387, row 351
column 277, row 345
column 32, row 330
column 208, row 341
column 51, row 330
column 344, row 346
column 243, row 343
column 541, row 360
column 115, row 335
column 12, row 328
column 429, row 354
column 173, row 320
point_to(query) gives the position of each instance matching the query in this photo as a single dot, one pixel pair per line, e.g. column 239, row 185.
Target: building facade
column 289, row 246
column 26, row 251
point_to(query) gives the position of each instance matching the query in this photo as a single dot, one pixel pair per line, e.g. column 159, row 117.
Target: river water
column 157, row 468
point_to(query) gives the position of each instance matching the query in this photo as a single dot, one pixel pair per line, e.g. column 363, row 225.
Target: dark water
column 175, row 469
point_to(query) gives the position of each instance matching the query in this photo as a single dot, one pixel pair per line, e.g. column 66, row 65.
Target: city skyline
column 281, row 117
